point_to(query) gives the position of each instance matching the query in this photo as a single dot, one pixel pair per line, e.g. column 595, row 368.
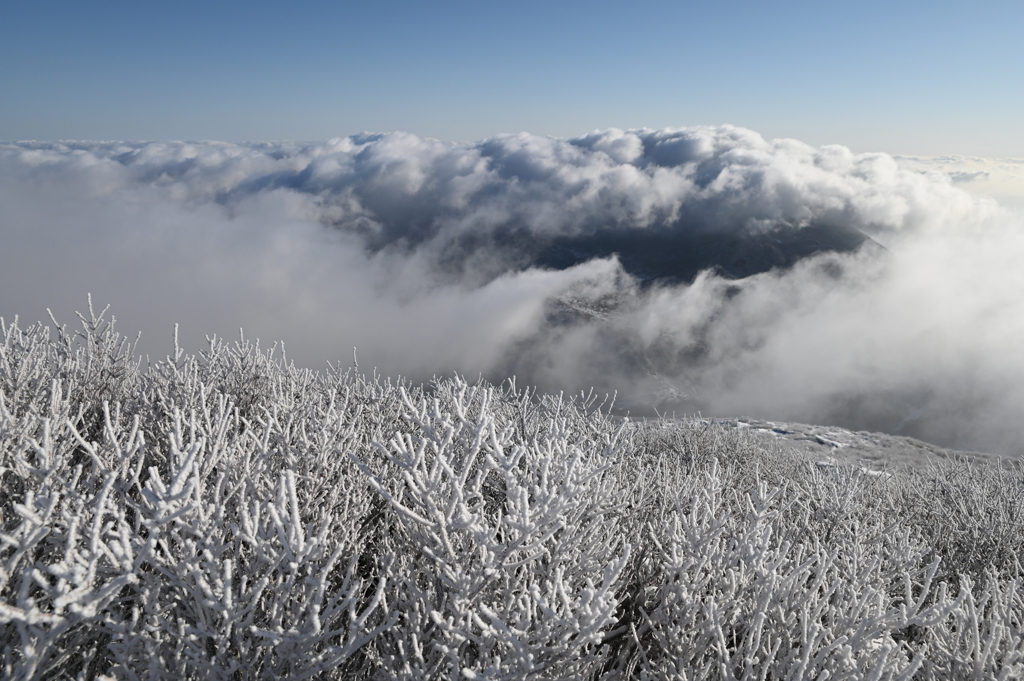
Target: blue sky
column 926, row 78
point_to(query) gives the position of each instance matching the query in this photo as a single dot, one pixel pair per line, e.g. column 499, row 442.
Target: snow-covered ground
column 833, row 445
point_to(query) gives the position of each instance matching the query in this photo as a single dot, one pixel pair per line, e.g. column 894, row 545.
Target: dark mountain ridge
column 677, row 256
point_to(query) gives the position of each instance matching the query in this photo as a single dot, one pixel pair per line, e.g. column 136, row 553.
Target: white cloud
column 418, row 252
column 1002, row 178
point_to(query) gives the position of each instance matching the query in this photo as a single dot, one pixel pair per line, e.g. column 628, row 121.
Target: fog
column 433, row 258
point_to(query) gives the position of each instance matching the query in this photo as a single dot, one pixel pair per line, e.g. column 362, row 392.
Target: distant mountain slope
column 831, row 445
column 671, row 256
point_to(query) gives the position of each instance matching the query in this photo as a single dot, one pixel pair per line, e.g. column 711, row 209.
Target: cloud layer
column 1001, row 177
column 423, row 255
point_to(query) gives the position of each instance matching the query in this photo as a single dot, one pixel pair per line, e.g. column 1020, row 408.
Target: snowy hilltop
column 229, row 515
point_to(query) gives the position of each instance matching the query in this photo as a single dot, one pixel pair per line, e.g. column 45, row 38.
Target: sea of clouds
column 419, row 253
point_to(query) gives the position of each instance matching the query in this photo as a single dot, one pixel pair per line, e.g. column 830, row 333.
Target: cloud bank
column 432, row 257
column 999, row 177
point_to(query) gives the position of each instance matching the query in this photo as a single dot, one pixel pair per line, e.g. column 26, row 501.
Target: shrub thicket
column 230, row 516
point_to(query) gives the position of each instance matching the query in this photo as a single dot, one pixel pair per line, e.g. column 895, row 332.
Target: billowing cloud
column 553, row 260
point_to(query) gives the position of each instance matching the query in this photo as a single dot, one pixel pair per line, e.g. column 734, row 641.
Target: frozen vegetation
column 228, row 515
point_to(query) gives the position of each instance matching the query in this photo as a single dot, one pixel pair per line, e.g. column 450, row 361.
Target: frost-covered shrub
column 512, row 555
column 973, row 514
column 228, row 515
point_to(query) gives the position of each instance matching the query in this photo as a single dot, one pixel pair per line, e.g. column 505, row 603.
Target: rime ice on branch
column 229, row 515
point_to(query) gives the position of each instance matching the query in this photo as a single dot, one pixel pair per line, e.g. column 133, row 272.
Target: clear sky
column 926, row 78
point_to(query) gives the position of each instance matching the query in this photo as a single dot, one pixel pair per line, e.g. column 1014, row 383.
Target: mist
column 493, row 259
